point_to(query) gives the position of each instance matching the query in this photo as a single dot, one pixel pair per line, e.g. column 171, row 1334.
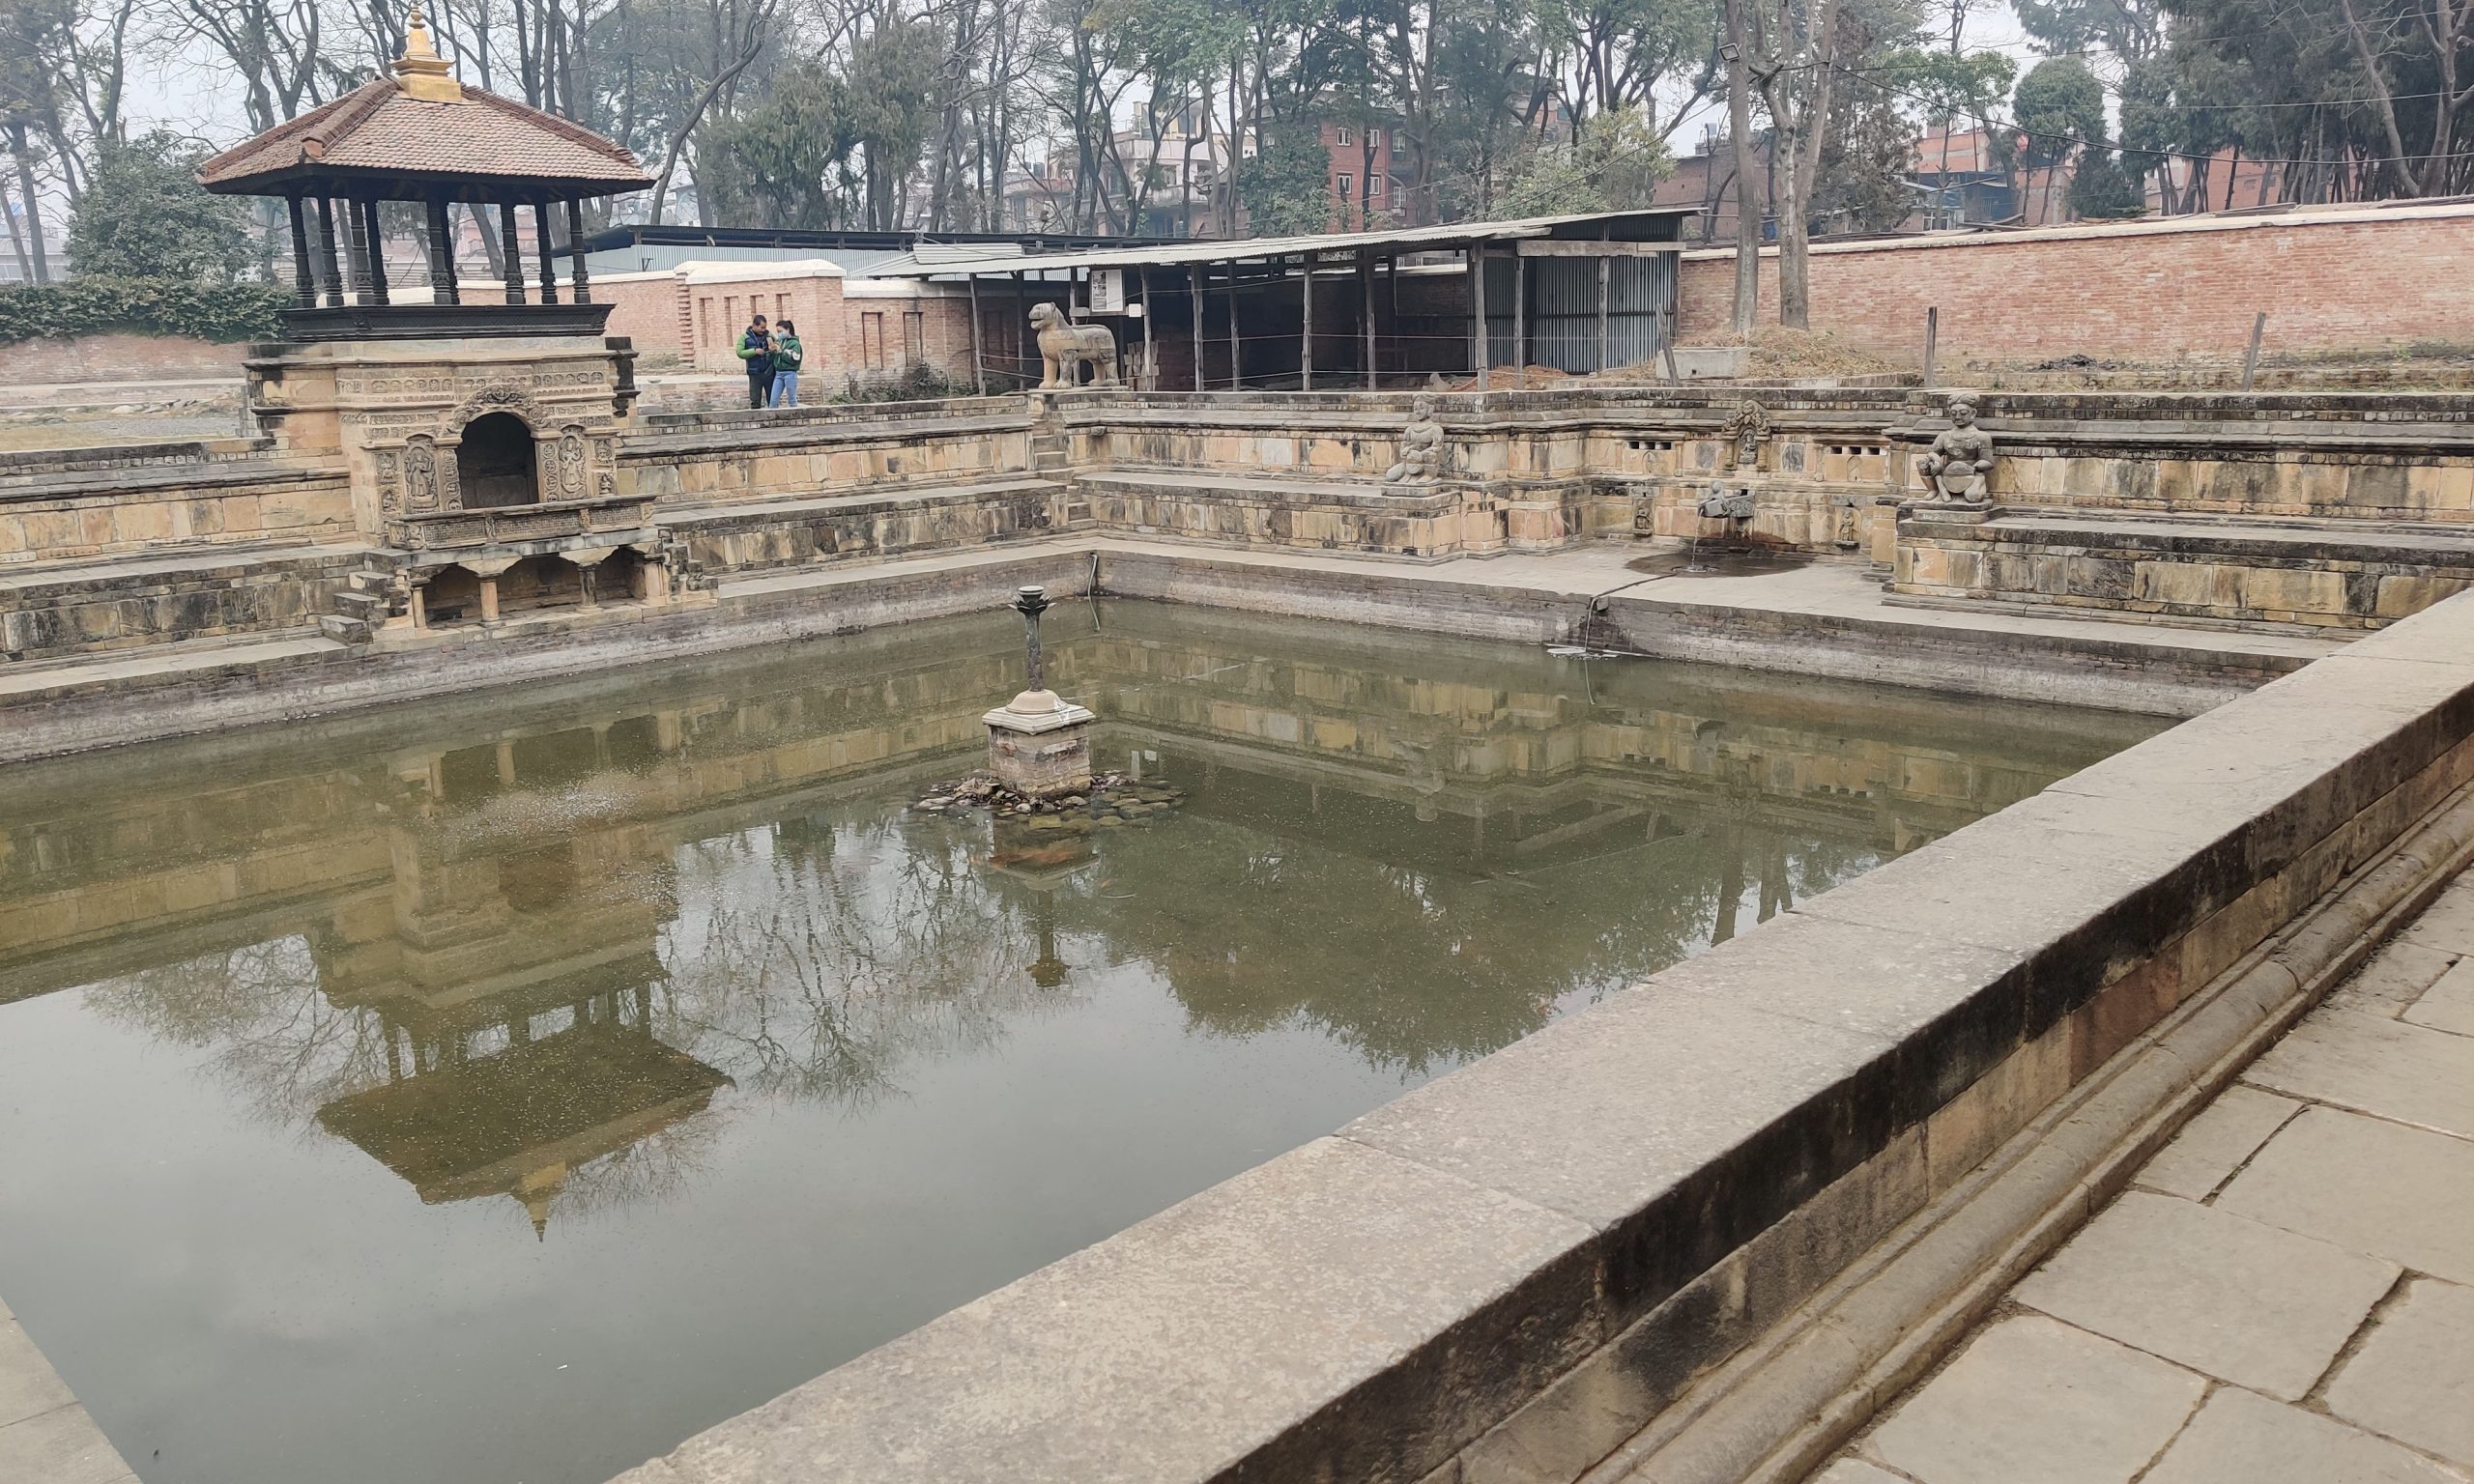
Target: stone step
column 343, row 630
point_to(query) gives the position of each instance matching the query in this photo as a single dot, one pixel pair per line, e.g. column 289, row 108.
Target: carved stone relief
column 1748, row 427
column 570, row 463
column 421, row 476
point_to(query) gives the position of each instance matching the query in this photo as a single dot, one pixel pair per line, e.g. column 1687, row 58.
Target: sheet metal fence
column 1561, row 319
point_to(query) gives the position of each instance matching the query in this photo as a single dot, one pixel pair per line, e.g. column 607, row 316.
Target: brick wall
column 2336, row 280
column 864, row 329
column 887, row 324
column 646, row 307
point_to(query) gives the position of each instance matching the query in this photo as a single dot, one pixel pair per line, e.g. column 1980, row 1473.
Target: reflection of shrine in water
column 511, row 977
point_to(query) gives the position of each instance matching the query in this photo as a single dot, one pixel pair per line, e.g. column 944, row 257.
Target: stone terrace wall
column 2164, row 290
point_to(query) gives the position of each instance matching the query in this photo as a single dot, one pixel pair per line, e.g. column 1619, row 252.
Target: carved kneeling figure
column 1959, row 463
column 1421, row 446
column 1065, row 347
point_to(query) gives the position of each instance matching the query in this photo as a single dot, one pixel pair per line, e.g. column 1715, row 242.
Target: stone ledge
column 858, row 501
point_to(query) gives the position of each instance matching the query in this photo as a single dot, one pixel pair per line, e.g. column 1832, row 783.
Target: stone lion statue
column 1065, row 346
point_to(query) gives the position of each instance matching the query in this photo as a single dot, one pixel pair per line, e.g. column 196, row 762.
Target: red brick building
column 1363, row 194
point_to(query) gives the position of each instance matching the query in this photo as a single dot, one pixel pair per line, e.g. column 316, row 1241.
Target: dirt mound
column 1779, row 354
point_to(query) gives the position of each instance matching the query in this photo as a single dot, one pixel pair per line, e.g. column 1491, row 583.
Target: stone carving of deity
column 571, row 464
column 1421, row 446
column 1959, row 465
column 420, row 474
column 391, row 496
column 608, row 489
column 1747, row 428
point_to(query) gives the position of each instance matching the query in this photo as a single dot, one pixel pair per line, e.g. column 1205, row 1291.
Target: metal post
column 579, row 279
column 1932, row 340
column 549, row 259
column 1520, row 319
column 1150, row 347
column 1306, row 334
column 376, row 281
column 1366, row 310
column 978, row 361
column 1480, row 351
column 1021, row 317
column 1193, row 290
column 2250, row 358
column 511, row 252
column 333, row 292
column 442, row 255
column 1236, row 366
column 305, row 286
column 1030, row 602
column 1605, row 308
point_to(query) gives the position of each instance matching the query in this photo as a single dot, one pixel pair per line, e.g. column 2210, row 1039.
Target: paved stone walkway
column 2285, row 1295
column 45, row 1435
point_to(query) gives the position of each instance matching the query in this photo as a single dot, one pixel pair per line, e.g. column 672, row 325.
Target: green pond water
column 505, row 1089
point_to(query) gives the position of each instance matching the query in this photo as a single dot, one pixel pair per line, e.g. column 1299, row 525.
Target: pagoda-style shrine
column 421, row 136
column 480, row 426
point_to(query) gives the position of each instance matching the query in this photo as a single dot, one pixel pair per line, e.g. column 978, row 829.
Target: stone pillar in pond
column 1039, row 745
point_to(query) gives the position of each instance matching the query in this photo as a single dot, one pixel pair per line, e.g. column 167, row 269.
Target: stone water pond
column 504, row 1089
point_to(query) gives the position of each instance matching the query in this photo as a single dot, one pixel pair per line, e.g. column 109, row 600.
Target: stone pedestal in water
column 1039, row 744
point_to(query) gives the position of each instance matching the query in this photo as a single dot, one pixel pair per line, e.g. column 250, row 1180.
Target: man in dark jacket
column 756, row 350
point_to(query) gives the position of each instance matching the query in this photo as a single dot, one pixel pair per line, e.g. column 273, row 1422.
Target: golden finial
column 420, row 71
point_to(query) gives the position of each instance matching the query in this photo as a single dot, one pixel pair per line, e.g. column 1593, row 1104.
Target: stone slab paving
column 45, row 1435
column 2286, row 1293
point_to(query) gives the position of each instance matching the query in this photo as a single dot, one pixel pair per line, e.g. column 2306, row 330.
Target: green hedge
column 145, row 307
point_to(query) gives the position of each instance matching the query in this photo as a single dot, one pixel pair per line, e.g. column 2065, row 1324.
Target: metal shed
column 1578, row 293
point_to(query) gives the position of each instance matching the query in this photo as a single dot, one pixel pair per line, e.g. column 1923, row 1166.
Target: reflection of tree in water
column 1420, row 968
column 815, row 959
column 662, row 1165
column 276, row 1041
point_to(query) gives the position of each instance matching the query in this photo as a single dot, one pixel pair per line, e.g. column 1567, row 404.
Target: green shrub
column 144, row 307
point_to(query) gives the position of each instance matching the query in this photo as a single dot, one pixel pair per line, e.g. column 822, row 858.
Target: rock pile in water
column 1112, row 800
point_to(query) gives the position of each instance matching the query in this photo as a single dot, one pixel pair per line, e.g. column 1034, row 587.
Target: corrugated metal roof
column 1232, row 248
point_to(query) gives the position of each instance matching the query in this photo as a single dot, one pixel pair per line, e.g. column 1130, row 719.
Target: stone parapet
column 49, row 613
column 2317, row 574
column 1513, row 1269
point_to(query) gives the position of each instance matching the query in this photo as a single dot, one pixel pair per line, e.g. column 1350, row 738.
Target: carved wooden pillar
column 511, row 252
column 331, row 294
column 578, row 281
column 304, row 285
column 442, row 255
column 374, row 265
column 549, row 261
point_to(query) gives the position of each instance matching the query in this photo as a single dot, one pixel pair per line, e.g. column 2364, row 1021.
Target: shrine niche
column 483, row 427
